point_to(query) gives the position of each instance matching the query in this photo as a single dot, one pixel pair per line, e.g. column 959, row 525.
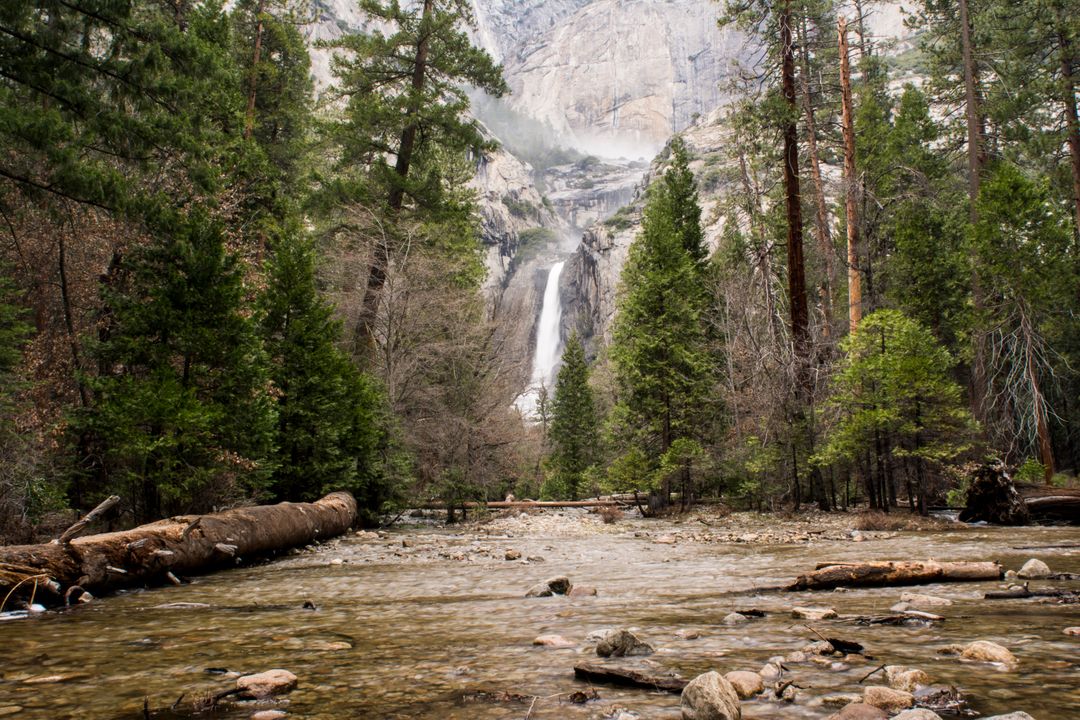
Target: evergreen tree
column 182, row 417
column 893, row 397
column 574, row 432
column 13, row 335
column 328, row 430
column 661, row 351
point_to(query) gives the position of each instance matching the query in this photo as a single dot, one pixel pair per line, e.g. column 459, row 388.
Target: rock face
column 622, row 643
column 710, row 697
column 266, row 684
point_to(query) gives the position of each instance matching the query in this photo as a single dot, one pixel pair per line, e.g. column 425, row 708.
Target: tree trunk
column 869, row 574
column 796, row 265
column 1072, row 124
column 249, row 116
column 850, row 182
column 185, row 544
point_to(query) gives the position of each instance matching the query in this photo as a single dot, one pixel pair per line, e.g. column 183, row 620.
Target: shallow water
column 398, row 637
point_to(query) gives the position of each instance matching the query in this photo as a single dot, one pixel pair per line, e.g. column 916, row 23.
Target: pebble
column 841, row 699
column 622, row 643
column 770, row 671
column 904, row 678
column 809, row 613
column 710, row 697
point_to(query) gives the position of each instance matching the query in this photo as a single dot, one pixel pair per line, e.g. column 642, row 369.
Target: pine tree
column 328, row 425
column 182, row 417
column 574, row 426
column 660, row 349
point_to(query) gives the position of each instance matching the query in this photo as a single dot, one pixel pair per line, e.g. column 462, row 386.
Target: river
column 416, row 623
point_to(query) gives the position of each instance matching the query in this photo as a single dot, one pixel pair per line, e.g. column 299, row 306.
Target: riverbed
column 433, row 622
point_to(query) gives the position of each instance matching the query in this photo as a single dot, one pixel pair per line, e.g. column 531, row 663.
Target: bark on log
column 627, row 678
column 187, row 544
column 896, row 574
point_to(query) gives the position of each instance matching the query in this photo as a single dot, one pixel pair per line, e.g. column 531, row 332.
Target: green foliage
column 1031, row 471
column 182, row 414
column 894, row 381
column 14, row 332
column 574, row 432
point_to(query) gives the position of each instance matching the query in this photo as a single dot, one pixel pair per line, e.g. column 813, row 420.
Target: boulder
column 920, row 600
column 1034, row 570
column 556, row 641
column 266, row 684
column 747, row 684
column 887, row 699
column 622, row 643
column 986, row 651
column 859, row 711
column 809, row 613
column 904, row 678
column 710, row 697
column 552, row 586
column 917, row 714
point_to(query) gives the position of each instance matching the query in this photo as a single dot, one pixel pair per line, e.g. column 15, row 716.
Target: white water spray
column 548, row 345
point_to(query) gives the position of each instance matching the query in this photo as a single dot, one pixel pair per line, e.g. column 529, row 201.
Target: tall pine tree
column 574, row 431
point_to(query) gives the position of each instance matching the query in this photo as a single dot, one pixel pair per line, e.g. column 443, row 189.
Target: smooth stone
column 747, row 684
column 986, row 651
column 905, row 678
column 269, row 715
column 1074, row 631
column 1034, row 569
column 859, row 711
column 559, row 585
column 556, row 641
column 735, row 619
column 807, row 613
column 820, row 647
column 887, row 699
column 770, row 671
column 917, row 714
column 710, row 697
column 267, row 684
column 920, row 600
column 582, row 591
column 622, row 643
column 512, row 554
column 688, row 634
column 1011, row 576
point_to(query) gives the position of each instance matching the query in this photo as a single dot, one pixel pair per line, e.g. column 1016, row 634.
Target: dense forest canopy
column 217, row 286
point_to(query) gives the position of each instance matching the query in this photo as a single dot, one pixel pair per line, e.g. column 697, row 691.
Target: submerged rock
column 887, row 699
column 809, row 613
column 735, row 619
column 710, row 697
column 1073, row 631
column 747, row 684
column 904, row 678
column 559, row 585
column 582, row 591
column 622, row 643
column 267, row 684
column 1034, row 570
column 986, row 651
column 920, row 600
column 269, row 715
column 917, row 714
column 556, row 641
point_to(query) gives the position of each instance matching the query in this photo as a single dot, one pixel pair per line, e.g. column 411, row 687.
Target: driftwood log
column 868, row 574
column 153, row 554
column 995, row 498
column 626, row 677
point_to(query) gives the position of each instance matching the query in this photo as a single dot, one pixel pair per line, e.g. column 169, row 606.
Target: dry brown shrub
column 610, row 514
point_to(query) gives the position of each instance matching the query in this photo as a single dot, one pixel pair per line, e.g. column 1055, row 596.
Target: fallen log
column 152, row 554
column 626, row 677
column 870, row 574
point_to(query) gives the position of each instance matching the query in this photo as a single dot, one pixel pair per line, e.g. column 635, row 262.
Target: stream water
column 414, row 624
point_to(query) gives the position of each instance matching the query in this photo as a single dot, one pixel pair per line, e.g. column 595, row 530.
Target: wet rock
column 747, row 684
column 735, row 619
column 267, row 684
column 622, row 643
column 1034, row 569
column 269, row 715
column 841, row 699
column 904, row 678
column 821, row 647
column 789, row 693
column 552, row 586
column 859, row 711
column 1011, row 576
column 924, row 601
column 1073, row 631
column 556, row 641
column 512, row 554
column 917, row 714
column 887, row 699
column 809, row 613
column 688, row 634
column 986, row 651
column 797, row 656
column 6, row 710
column 710, row 697
column 770, row 671
column 582, row 591
column 1011, row 716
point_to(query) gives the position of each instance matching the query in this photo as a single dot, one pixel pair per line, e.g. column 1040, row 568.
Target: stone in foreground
column 622, row 643
column 266, row 684
column 710, row 697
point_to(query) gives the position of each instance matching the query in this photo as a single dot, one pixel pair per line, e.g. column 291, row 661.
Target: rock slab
column 710, row 697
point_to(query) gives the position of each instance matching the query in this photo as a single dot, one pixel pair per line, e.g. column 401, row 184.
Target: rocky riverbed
column 423, row 621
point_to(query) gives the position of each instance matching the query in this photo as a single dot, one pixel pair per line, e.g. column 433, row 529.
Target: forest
column 220, row 286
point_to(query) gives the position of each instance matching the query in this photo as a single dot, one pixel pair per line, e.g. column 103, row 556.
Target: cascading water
column 548, row 345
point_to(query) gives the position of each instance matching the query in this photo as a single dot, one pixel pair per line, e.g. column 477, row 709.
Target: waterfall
column 548, row 345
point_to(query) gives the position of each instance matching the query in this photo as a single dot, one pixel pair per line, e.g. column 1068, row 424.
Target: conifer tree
column 182, row 417
column 574, row 431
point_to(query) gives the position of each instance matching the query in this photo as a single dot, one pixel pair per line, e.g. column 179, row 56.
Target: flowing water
column 548, row 344
column 415, row 624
